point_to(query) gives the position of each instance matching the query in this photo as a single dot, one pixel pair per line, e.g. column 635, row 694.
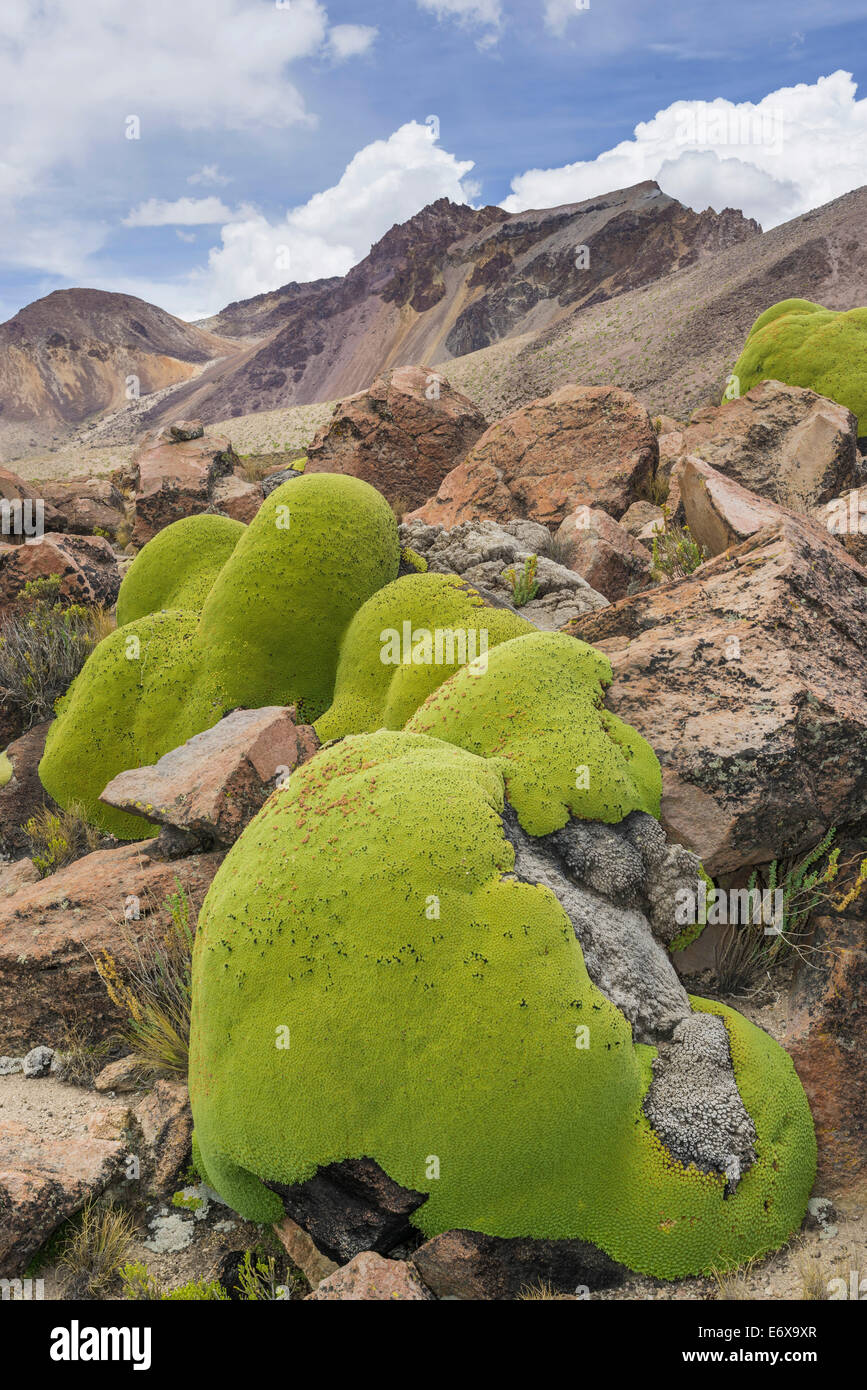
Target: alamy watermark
column 442, row 646
column 23, row 517
column 731, row 907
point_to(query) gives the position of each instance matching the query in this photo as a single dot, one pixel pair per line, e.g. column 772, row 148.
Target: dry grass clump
column 95, row 1250
column 155, row 990
column 57, row 838
column 43, row 645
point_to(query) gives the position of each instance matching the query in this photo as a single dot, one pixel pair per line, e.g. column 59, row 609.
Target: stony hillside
column 673, row 340
column 67, row 357
column 449, row 281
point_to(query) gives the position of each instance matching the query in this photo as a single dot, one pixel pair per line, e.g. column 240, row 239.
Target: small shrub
column 57, row 838
column 255, row 467
column 524, row 586
column 675, row 553
column 400, row 507
column 139, row 1285
column 92, row 1256
column 79, row 1059
column 805, row 885
column 43, row 645
column 155, row 990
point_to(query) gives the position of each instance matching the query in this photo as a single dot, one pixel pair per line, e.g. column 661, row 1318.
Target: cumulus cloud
column 351, row 40
column 183, row 212
column 388, row 181
column 71, row 73
column 796, row 149
column 487, row 13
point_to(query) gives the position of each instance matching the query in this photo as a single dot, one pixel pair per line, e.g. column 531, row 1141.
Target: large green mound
column 404, row 642
column 538, row 707
column 268, row 633
column 802, row 344
column 368, row 981
column 178, row 567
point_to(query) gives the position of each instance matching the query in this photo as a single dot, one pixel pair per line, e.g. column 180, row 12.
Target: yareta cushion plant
column 177, row 569
column 266, row 630
column 802, row 344
column 376, row 975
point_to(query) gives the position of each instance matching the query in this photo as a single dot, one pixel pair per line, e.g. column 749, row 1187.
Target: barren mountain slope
column 450, row 280
column 674, row 341
column 67, row 357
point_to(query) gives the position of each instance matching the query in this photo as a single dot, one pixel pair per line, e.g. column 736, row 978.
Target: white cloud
column 388, row 181
column 559, row 12
column 71, row 73
column 469, row 12
column 183, row 212
column 796, row 149
column 351, row 40
column 209, row 176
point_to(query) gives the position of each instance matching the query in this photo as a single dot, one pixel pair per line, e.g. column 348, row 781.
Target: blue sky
column 277, row 141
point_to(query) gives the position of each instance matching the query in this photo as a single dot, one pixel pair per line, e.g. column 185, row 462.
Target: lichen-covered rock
column 445, row 1025
column 402, row 435
column 492, row 556
column 87, row 567
column 583, row 445
column 748, row 678
column 783, row 442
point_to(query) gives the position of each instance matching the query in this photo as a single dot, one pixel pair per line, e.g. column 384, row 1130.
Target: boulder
column 183, row 430
column 176, row 477
column 782, row 442
column 639, row 516
column 120, row 1077
column 352, row 1206
column 277, row 477
column 719, row 512
column 23, row 795
column 165, row 1123
column 482, row 553
column 235, row 497
column 82, row 505
column 846, row 518
column 603, row 552
column 15, row 876
column 591, row 446
column 402, row 435
column 87, row 566
column 50, row 1164
column 468, row 1265
column 302, row 1252
column 15, row 528
column 216, row 782
column 749, row 679
column 369, row 1277
column 50, row 932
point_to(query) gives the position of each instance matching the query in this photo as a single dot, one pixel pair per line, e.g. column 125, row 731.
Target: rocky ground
column 743, row 662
